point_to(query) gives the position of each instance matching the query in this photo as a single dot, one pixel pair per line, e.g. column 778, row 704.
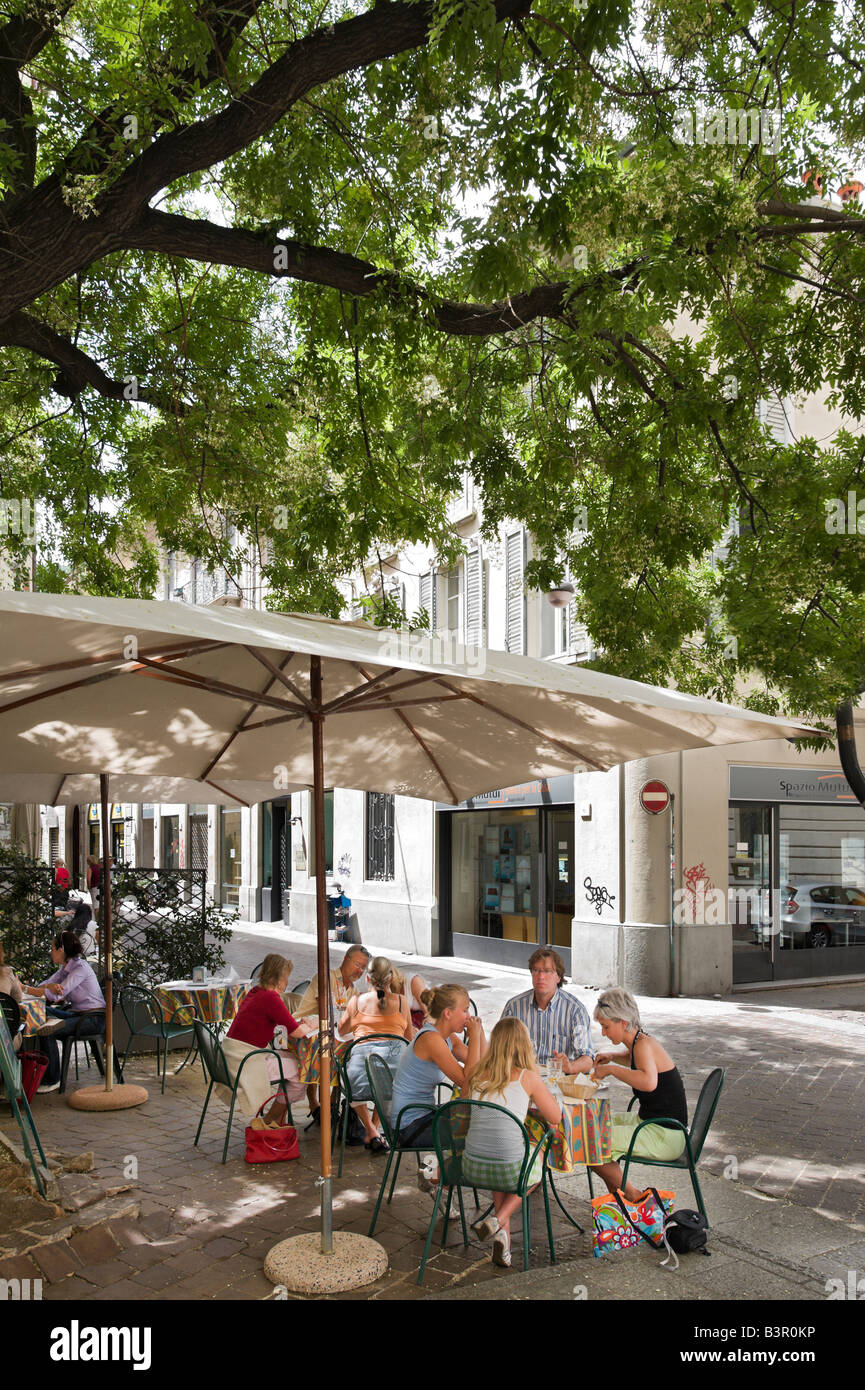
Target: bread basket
column 577, row 1089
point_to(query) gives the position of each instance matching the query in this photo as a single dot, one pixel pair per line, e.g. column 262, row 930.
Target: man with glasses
column 558, row 1023
column 343, row 985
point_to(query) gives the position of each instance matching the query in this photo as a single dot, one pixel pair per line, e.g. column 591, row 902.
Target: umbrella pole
column 109, row 1097
column 325, row 1005
column 106, row 927
column 326, row 1263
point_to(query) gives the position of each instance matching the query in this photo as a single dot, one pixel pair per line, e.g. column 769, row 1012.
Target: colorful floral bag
column 618, row 1224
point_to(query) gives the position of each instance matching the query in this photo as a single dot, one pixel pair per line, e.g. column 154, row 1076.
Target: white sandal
column 502, row 1249
column 486, row 1228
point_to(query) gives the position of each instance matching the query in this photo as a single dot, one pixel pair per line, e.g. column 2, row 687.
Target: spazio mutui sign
column 545, row 791
column 783, row 784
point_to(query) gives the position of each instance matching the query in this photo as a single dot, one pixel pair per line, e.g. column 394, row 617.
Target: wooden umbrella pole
column 106, row 927
column 325, row 1005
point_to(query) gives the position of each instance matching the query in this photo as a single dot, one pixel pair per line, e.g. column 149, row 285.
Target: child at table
column 507, row 1076
column 260, row 1013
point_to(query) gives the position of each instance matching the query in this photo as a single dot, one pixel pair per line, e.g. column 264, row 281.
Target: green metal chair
column 346, row 1098
column 695, row 1137
column 217, row 1069
column 10, row 1074
column 450, row 1129
column 145, row 1019
column 381, row 1086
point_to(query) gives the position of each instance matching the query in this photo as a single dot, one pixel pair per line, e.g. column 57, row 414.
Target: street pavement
column 783, row 1171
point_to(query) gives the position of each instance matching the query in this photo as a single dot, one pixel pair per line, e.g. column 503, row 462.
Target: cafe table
column 582, row 1138
column 33, row 1013
column 308, row 1054
column 214, row 1001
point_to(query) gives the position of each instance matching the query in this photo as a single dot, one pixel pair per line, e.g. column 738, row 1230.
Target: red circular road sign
column 654, row 797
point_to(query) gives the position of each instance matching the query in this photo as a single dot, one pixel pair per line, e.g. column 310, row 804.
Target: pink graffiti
column 697, row 879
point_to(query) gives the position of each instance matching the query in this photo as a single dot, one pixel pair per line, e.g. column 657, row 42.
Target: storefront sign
column 546, row 791
column 788, row 784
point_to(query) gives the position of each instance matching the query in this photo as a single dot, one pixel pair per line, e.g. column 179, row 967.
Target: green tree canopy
column 300, row 264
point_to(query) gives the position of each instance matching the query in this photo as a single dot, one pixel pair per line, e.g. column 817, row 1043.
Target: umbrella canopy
column 78, row 789
column 148, row 688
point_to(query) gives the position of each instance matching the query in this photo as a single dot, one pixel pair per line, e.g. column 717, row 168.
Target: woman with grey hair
column 655, row 1081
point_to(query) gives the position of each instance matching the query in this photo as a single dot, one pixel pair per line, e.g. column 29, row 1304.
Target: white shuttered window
column 474, row 601
column 515, row 598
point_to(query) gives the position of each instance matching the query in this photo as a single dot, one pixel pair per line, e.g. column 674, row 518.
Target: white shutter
column 579, row 642
column 428, row 598
column 474, row 609
column 777, row 414
column 515, row 598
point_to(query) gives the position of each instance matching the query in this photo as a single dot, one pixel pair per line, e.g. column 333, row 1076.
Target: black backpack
column 685, row 1232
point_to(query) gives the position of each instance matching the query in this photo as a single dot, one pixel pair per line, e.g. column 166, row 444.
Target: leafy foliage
column 26, row 914
column 300, row 266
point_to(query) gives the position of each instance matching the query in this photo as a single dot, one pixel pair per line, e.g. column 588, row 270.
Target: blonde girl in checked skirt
column 507, row 1076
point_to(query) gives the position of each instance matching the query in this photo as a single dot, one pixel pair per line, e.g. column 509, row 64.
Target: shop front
column 796, row 884
column 506, row 872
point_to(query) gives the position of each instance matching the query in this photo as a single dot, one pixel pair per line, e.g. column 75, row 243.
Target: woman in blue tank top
column 437, row 1054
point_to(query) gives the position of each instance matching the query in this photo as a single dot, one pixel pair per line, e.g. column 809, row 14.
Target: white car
column 817, row 915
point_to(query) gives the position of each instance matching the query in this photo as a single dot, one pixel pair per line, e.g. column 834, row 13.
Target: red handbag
column 33, row 1065
column 271, row 1145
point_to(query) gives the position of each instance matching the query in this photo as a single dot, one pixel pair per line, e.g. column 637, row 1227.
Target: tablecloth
column 308, row 1054
column 582, row 1136
column 33, row 1014
column 215, row 1001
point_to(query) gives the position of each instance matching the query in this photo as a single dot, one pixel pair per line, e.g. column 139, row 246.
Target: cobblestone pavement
column 788, row 1127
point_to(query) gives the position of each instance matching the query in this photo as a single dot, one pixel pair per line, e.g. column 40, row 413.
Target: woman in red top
column 61, row 874
column 260, row 1014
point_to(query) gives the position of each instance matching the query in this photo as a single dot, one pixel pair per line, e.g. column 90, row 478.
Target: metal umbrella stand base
column 298, row 1265
column 97, row 1098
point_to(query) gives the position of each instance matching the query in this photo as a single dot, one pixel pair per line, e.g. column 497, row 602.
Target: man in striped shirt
column 557, row 1022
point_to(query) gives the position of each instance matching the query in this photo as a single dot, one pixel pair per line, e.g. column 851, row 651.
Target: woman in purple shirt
column 72, row 990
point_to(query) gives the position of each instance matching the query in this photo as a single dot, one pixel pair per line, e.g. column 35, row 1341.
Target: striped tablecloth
column 33, row 1013
column 582, row 1136
column 308, row 1054
column 216, row 1000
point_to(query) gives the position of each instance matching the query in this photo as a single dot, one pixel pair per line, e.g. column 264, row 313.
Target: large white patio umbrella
column 148, row 688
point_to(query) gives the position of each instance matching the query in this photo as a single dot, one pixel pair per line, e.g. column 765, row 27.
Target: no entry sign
column 654, row 797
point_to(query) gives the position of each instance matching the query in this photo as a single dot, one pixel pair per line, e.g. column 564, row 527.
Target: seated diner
column 437, row 1054
column 655, row 1081
column 382, row 1009
column 261, row 1012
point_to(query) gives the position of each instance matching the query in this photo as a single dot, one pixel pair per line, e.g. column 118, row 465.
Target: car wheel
column 818, row 937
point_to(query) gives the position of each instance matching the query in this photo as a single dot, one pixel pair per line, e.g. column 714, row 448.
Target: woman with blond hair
column 382, row 1009
column 437, row 1054
column 506, row 1076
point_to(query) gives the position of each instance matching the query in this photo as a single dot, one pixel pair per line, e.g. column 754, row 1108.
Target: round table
column 214, row 1001
column 308, row 1054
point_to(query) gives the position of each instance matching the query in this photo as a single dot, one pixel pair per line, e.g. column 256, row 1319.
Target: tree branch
column 77, row 370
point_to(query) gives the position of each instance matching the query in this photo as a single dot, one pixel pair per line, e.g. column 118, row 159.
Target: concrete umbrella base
column 97, row 1098
column 297, row 1264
